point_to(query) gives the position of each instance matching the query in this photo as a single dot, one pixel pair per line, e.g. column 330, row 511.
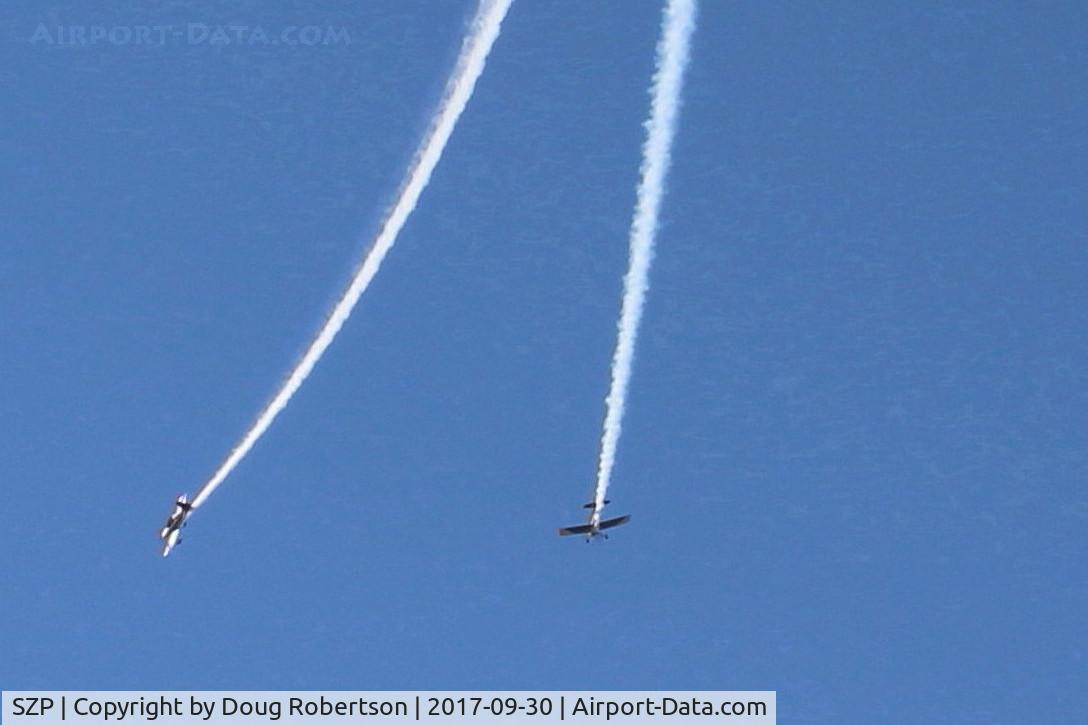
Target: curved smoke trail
column 672, row 58
column 470, row 64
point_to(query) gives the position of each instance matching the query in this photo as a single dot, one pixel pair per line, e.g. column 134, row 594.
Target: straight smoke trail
column 470, row 64
column 672, row 58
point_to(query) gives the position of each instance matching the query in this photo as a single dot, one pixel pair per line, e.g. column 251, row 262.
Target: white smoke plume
column 672, row 58
column 470, row 64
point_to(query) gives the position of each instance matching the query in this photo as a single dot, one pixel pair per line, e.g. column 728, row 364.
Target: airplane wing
column 610, row 523
column 170, row 540
column 569, row 530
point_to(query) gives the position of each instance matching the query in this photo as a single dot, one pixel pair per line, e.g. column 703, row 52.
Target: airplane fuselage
column 171, row 530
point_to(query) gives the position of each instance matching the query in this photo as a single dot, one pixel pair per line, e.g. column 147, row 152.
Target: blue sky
column 854, row 451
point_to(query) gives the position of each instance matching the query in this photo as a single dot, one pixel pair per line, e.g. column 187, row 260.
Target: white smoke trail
column 470, row 64
column 672, row 58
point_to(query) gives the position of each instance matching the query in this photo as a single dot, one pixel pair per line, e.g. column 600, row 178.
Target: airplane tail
column 593, row 504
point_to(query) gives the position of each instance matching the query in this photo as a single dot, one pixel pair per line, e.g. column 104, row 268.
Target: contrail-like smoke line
column 672, row 58
column 470, row 64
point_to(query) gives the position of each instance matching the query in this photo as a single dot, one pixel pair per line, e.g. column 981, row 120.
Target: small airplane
column 171, row 530
column 595, row 527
